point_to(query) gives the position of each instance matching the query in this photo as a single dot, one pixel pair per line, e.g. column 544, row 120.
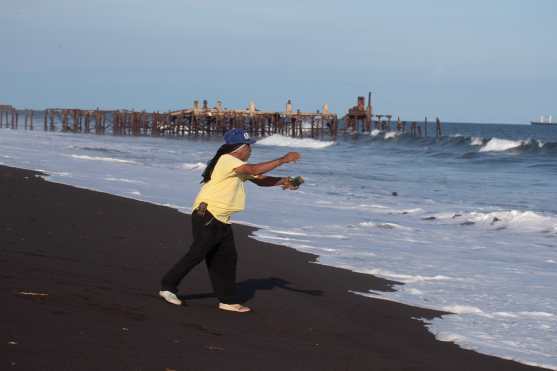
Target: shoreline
column 99, row 258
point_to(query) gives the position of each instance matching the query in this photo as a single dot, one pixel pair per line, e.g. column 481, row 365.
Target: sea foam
column 193, row 166
column 106, row 159
column 500, row 145
column 282, row 141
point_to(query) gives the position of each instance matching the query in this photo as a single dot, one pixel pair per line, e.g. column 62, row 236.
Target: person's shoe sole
column 170, row 297
column 238, row 308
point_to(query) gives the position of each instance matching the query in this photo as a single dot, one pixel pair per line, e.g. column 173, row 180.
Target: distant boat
column 544, row 121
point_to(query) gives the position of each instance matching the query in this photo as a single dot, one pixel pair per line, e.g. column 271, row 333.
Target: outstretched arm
column 285, row 183
column 264, row 167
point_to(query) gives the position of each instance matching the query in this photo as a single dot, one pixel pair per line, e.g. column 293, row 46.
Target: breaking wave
column 525, row 221
column 282, row 141
column 472, row 145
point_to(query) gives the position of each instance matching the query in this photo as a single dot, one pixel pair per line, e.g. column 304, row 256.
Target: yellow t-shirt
column 224, row 193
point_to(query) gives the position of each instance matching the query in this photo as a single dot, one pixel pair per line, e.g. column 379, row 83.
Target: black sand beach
column 96, row 260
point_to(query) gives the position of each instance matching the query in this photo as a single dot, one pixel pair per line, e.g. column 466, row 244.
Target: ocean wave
column 537, row 314
column 376, row 133
column 468, row 309
column 525, row 221
column 392, row 134
column 476, row 141
column 383, row 225
column 98, row 149
column 445, row 146
column 501, row 145
column 282, row 141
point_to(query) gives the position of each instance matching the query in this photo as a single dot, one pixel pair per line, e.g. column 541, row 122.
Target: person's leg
column 221, row 264
column 205, row 238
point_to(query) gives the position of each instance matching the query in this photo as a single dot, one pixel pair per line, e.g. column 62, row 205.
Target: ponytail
column 224, row 149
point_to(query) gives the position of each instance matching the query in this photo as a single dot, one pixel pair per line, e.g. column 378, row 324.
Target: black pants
column 214, row 242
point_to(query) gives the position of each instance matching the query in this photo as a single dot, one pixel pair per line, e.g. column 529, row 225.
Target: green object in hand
column 296, row 181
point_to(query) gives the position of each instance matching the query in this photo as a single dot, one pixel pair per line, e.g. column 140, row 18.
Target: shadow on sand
column 246, row 289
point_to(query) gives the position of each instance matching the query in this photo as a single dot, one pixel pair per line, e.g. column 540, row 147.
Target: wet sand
column 80, row 271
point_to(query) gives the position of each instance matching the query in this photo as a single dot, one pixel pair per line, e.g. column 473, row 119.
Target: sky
column 467, row 61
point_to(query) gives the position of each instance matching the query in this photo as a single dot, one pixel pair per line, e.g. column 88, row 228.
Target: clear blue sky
column 459, row 60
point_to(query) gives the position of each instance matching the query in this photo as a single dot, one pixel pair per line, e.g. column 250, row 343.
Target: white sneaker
column 170, row 297
column 234, row 308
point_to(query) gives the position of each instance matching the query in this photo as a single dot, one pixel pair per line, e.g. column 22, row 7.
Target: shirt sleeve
column 229, row 163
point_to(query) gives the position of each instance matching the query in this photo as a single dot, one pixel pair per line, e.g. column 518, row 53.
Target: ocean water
column 467, row 223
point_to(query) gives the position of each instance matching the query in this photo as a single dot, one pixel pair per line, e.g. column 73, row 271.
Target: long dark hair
column 224, row 149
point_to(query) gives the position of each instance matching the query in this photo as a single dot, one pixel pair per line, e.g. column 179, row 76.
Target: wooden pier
column 202, row 120
column 196, row 121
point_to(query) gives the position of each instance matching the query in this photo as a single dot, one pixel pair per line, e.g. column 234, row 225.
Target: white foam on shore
column 406, row 278
column 505, row 314
column 278, row 238
column 124, row 180
column 288, row 233
column 392, row 134
column 193, row 166
column 413, row 291
column 451, row 338
column 462, row 309
column 57, row 173
column 106, row 159
column 537, row 314
column 282, row 141
column 384, row 225
column 525, row 221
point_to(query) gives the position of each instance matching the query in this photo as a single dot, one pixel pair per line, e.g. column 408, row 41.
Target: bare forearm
column 264, row 167
column 269, row 181
column 261, row 168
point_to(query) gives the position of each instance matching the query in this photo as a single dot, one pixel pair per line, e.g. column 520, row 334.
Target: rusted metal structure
column 361, row 119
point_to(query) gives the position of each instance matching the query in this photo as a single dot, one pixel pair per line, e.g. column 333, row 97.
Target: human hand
column 290, row 157
column 292, row 183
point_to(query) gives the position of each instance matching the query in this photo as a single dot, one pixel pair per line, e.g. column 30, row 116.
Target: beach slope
column 80, row 271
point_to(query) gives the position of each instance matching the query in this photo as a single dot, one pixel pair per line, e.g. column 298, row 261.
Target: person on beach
column 222, row 195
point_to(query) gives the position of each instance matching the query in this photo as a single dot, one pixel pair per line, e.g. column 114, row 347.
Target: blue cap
column 237, row 136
